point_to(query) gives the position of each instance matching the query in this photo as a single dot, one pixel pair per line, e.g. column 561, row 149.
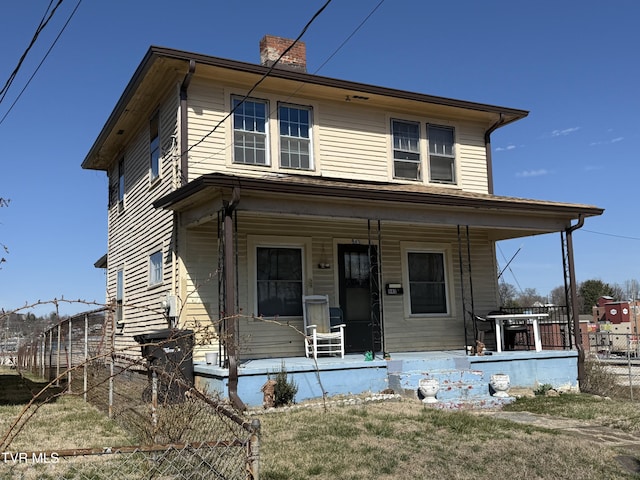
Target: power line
column 349, row 37
column 297, row 89
column 41, row 62
column 610, row 235
column 43, row 23
column 262, row 78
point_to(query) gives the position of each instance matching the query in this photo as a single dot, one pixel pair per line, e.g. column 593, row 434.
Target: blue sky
column 573, row 65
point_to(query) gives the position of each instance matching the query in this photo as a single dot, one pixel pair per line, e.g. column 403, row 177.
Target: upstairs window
column 406, row 150
column 295, row 137
column 250, row 132
column 154, row 148
column 279, row 281
column 155, row 268
column 121, row 181
column 119, row 300
column 441, row 154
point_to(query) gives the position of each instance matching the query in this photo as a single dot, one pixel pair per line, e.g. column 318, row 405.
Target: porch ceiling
column 319, row 196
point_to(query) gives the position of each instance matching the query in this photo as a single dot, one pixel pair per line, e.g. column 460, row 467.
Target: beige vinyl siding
column 350, row 140
column 472, row 159
column 207, row 107
column 353, row 143
column 137, row 230
column 200, row 307
column 259, row 339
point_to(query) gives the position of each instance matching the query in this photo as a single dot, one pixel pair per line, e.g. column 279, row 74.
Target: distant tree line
column 26, row 324
column 588, row 293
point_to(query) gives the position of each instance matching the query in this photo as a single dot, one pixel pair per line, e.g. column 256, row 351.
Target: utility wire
column 263, row 76
column 43, row 23
column 41, row 62
column 610, row 234
column 300, row 86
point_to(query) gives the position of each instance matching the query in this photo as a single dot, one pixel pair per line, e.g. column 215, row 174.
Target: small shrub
column 284, row 390
column 543, row 389
column 599, row 380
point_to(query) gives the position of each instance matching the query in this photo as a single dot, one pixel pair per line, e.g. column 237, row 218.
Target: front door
column 359, row 296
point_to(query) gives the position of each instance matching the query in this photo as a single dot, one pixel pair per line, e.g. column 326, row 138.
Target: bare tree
column 4, row 202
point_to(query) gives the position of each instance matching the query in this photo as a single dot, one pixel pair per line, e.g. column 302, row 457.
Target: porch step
column 460, row 386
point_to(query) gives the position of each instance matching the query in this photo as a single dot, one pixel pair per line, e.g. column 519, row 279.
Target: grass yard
column 390, row 440
column 64, row 422
column 405, row 440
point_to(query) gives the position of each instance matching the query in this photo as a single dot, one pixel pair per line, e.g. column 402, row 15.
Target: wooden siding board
column 261, row 339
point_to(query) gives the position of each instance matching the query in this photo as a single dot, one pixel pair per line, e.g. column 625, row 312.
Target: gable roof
column 162, row 64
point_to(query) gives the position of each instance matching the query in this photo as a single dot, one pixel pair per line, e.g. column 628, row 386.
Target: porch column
column 574, row 299
column 230, row 299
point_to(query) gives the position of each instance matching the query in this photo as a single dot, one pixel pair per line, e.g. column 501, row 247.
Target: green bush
column 284, row 390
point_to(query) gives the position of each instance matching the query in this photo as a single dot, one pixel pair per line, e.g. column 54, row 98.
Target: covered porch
column 230, row 225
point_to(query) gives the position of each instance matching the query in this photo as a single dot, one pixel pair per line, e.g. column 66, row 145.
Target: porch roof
column 209, row 184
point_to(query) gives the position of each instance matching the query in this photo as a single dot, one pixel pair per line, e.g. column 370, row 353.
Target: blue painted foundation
column 463, row 379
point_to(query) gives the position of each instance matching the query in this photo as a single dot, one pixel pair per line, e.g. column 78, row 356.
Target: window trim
column 453, row 157
column 121, row 183
column 119, row 301
column 151, row 269
column 267, row 137
column 419, row 151
column 309, row 109
column 154, row 137
column 263, row 241
column 445, row 251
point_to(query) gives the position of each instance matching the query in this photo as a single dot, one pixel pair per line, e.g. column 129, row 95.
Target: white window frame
column 120, row 185
column 308, row 139
column 154, row 147
column 261, row 241
column 119, row 300
column 441, row 249
column 399, row 152
column 235, row 130
column 440, row 155
column 155, row 268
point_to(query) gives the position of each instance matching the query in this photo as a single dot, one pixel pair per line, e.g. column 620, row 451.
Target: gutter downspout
column 487, row 148
column 184, row 125
column 230, row 299
column 574, row 299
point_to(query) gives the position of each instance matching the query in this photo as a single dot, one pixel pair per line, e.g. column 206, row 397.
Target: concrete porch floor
column 353, row 375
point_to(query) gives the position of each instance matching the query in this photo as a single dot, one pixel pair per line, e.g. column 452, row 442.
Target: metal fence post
column 58, row 358
column 70, row 355
column 253, row 453
column 86, row 357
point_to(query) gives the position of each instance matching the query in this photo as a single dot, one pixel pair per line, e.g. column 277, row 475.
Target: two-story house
column 235, row 189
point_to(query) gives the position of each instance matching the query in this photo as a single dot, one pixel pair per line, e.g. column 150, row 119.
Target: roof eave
column 90, row 161
column 217, row 180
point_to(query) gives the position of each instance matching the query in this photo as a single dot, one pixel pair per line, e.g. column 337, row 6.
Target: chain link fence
column 179, row 431
column 613, row 364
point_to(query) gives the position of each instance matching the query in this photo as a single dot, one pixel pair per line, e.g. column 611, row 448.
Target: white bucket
column 211, row 358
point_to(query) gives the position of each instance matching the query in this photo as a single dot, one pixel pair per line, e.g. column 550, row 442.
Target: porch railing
column 556, row 331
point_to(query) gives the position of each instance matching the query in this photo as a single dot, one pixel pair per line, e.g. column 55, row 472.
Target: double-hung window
column 155, row 268
column 119, row 300
column 154, row 148
column 279, row 281
column 250, row 118
column 406, row 149
column 427, row 282
column 121, row 181
column 295, row 137
column 442, row 163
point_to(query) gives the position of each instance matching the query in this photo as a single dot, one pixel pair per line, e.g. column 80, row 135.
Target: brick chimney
column 271, row 48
